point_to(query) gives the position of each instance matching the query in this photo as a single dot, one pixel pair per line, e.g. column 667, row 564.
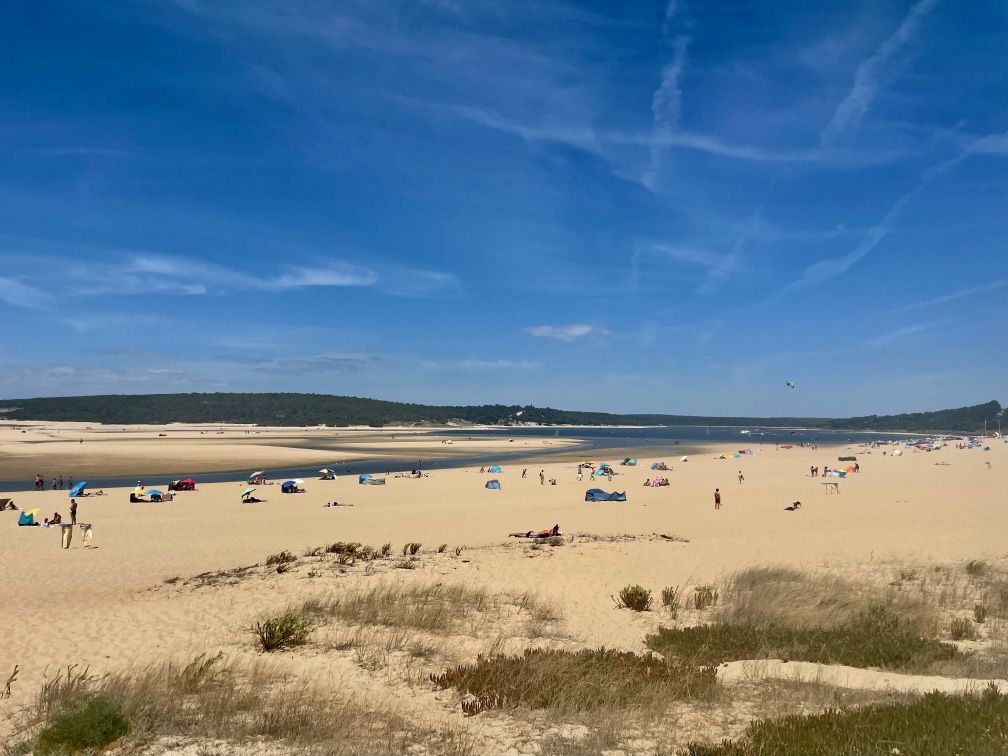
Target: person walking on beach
column 542, row 478
column 60, row 482
column 717, row 498
column 524, row 472
column 579, row 473
column 73, row 511
column 741, row 478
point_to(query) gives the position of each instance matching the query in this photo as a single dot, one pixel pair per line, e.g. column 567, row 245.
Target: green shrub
column 979, row 613
column 961, row 628
column 937, row 723
column 877, row 638
column 386, row 549
column 635, row 597
column 284, row 557
column 93, row 725
column 705, row 596
column 442, row 548
column 411, row 549
column 283, row 631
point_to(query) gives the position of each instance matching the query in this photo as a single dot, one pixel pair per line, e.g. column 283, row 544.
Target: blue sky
column 622, row 206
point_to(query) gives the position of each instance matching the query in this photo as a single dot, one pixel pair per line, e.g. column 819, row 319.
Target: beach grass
column 567, row 682
column 875, row 638
column 214, row 698
column 937, row 723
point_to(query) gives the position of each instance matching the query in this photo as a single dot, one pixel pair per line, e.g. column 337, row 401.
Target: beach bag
column 67, row 535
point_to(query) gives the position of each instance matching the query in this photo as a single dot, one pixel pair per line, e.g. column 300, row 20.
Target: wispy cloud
column 144, row 273
column 950, row 297
column 567, row 333
column 891, row 337
column 15, row 292
column 872, row 74
column 824, row 269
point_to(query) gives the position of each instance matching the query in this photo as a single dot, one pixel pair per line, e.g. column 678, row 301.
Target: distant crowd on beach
column 58, row 484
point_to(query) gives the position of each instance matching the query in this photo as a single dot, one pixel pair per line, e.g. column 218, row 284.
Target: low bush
column 284, row 557
column 283, row 631
column 575, row 681
column 442, row 548
column 976, row 568
column 979, row 613
column 385, row 550
column 877, row 638
column 93, row 724
column 961, row 628
column 635, row 597
column 937, row 723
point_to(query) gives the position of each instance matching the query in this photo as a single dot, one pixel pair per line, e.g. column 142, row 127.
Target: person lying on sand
column 252, row 500
column 335, row 504
column 794, row 506
column 554, row 531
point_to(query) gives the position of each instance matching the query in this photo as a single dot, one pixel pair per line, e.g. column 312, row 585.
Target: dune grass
column 438, row 608
column 777, row 612
column 875, row 638
column 575, row 681
column 937, row 723
column 218, row 699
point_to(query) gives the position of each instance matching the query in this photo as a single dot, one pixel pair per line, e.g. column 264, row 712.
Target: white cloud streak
column 872, row 74
column 950, row 297
column 891, row 337
column 567, row 333
column 824, row 269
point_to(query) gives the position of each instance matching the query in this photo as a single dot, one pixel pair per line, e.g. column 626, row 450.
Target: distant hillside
column 318, row 409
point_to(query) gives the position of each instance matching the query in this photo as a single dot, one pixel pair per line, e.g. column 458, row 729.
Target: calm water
column 679, row 439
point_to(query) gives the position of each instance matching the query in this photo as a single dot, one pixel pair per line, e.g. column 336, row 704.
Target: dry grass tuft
column 435, row 607
column 214, row 698
column 575, row 681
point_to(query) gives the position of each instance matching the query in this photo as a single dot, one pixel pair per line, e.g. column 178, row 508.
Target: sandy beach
column 132, row 597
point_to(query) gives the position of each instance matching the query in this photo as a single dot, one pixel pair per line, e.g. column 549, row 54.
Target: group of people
column 814, row 471
column 58, row 484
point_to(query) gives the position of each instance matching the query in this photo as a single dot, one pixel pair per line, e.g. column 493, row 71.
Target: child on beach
column 717, row 498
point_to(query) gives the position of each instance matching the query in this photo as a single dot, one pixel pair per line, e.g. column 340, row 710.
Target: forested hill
column 318, row 409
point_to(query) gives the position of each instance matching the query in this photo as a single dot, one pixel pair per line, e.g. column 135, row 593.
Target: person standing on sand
column 73, row 511
column 717, row 498
column 542, row 478
column 741, row 478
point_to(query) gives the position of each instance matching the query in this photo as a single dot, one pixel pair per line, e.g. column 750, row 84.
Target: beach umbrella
column 247, row 492
column 77, row 489
column 155, row 492
column 325, row 471
column 257, row 474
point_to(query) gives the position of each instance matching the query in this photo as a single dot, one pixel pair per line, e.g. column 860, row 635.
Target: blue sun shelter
column 493, row 485
column 494, row 469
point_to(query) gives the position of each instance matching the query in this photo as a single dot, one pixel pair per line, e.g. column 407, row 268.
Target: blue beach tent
column 493, row 485
column 363, row 478
column 597, row 494
column 27, row 517
column 494, row 469
column 77, row 489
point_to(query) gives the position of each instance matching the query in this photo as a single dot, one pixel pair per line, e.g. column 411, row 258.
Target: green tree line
column 292, row 409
